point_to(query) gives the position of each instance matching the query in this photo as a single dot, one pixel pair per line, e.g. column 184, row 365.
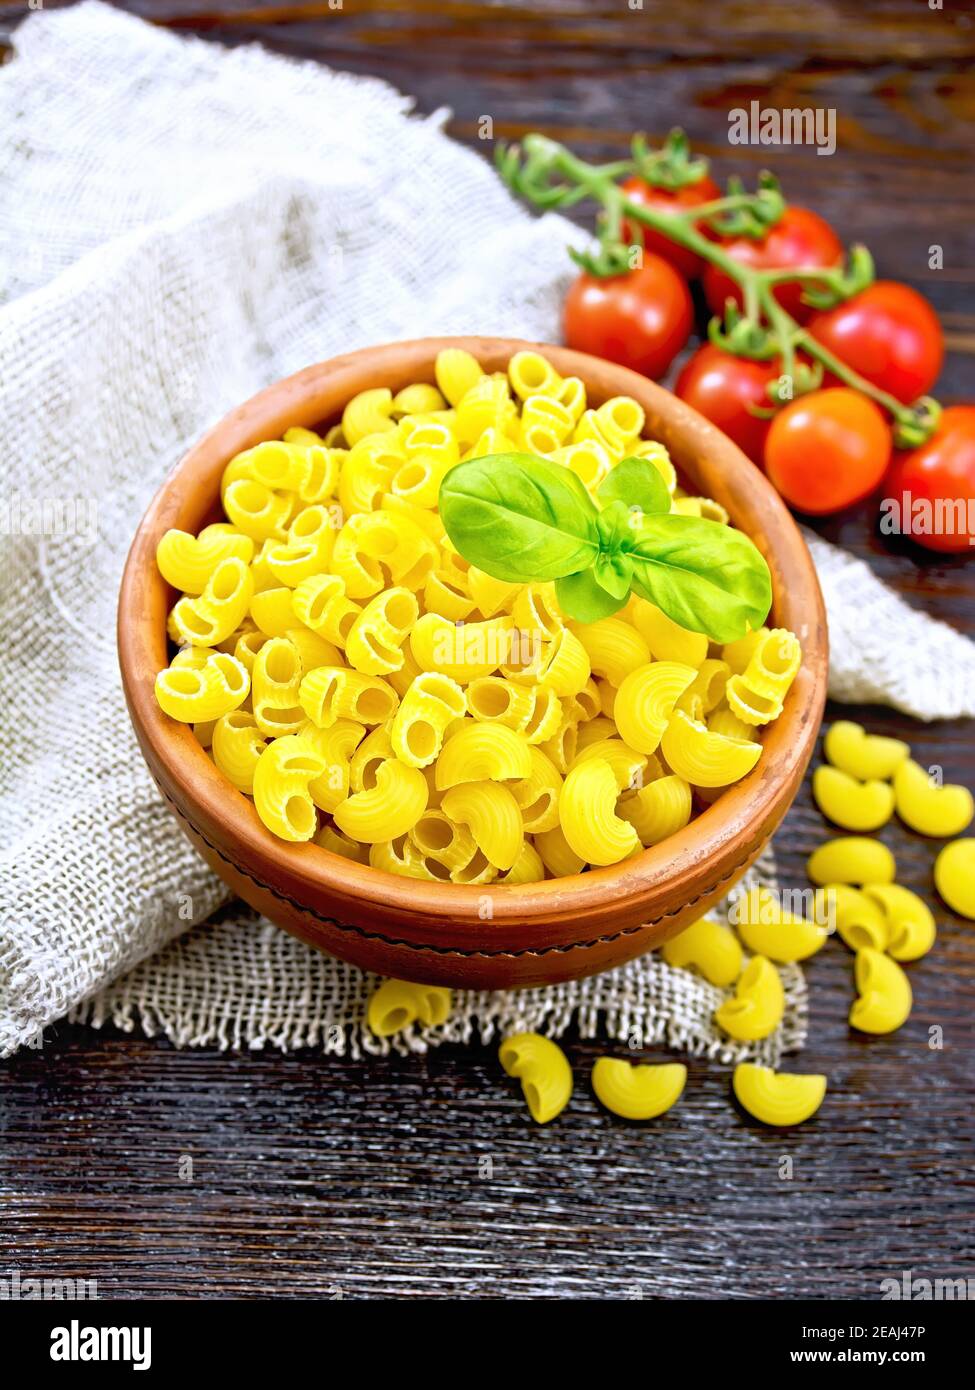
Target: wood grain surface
column 323, row 1177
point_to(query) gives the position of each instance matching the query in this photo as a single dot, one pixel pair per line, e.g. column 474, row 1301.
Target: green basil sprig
column 522, row 519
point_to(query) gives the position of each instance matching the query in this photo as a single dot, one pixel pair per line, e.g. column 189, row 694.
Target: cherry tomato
column 800, row 238
column 941, row 473
column 641, row 319
column 722, row 387
column 692, row 195
column 889, row 334
column 827, row 450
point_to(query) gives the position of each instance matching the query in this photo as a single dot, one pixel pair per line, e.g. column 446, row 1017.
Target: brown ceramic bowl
column 542, row 932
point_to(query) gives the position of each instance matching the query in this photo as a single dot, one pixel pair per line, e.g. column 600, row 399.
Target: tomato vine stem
column 548, row 175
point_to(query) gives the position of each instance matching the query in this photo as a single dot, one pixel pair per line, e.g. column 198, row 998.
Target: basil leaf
column 519, row 518
column 614, row 573
column 582, row 598
column 707, row 577
column 637, row 484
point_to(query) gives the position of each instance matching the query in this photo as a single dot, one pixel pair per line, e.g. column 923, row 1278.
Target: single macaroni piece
column 397, row 1004
column 954, row 876
column 868, row 757
column 187, row 562
column 220, row 608
column 482, row 753
column 858, row 919
column 430, row 705
column 709, row 947
column 704, row 758
column 537, row 795
column 587, row 808
column 374, row 642
column 645, row 701
column 332, row 692
column 851, row 859
column 336, row 746
column 910, row 925
column 236, row 744
column 659, row 809
column 637, row 1091
column 884, row 991
column 758, row 1004
column 927, row 806
column 776, row 1098
column 389, row 809
column 368, row 413
column 614, row 648
column 376, row 694
column 281, row 795
column 493, row 816
column 198, row 693
column 851, row 804
column 768, row 930
column 543, row 1070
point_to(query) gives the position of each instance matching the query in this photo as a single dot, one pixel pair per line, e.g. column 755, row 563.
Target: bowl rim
column 724, row 834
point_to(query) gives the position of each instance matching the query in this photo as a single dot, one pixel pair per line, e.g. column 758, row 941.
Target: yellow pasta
column 321, row 604
column 493, row 817
column 198, row 693
column 645, row 702
column 236, row 744
column 336, row 843
column 221, row 608
column 273, row 611
column 187, row 562
column 709, row 947
column 276, row 686
column 332, row 692
column 851, row 859
column 281, row 796
column 368, row 413
column 665, row 638
column 390, row 808
column 758, row 1004
column 527, row 868
column 456, row 372
column 867, row 757
column 543, row 1070
column 374, row 641
column 557, row 854
column 462, row 651
column 637, row 1092
column 587, row 809
column 954, row 876
column 910, row 925
column 537, row 795
column 659, row 809
column 397, row 1004
column 705, row 758
column 777, row 1098
column 335, row 746
column 482, row 753
column 614, row 648
column 851, row 804
column 930, row 808
column 429, row 706
column 884, row 999
column 768, row 930
column 858, row 919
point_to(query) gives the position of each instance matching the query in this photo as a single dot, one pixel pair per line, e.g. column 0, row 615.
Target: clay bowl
column 437, row 933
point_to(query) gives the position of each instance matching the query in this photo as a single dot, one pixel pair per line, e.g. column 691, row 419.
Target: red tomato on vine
column 640, row 319
column 889, row 334
column 827, row 450
column 647, row 195
column 941, row 475
column 722, row 387
column 800, row 239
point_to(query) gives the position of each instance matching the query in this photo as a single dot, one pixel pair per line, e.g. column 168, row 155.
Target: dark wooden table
column 313, row 1176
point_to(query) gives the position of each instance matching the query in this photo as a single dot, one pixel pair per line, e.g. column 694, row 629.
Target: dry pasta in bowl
column 475, row 632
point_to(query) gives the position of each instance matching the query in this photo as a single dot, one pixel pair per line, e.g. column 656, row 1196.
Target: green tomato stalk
column 549, row 176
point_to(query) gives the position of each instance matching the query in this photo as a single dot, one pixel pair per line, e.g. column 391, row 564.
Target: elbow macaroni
column 376, row 695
